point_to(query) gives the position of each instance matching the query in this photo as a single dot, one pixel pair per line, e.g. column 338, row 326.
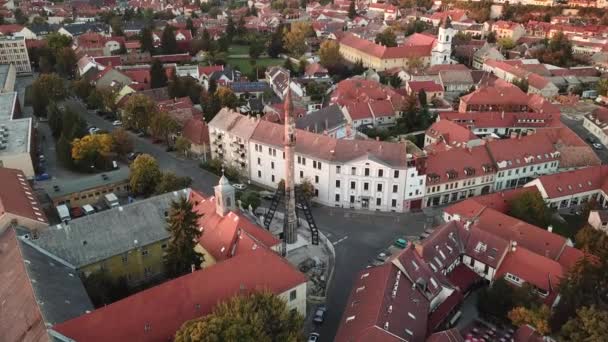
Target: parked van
column 111, row 200
column 64, row 213
column 88, row 209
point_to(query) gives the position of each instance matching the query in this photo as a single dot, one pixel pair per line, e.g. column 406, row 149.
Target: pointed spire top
column 288, row 102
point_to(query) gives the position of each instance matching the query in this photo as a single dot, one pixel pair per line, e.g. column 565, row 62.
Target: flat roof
column 85, row 183
column 15, row 136
column 7, row 103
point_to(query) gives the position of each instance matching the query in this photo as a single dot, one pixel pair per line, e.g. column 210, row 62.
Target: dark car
column 319, row 317
column 43, row 177
column 133, row 155
column 76, row 212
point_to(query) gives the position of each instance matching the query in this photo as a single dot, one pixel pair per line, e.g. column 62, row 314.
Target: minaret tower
column 291, row 224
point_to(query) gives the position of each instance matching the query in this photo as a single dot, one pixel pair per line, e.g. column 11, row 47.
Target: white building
column 597, row 124
column 16, row 145
column 359, row 174
column 14, row 51
column 442, row 51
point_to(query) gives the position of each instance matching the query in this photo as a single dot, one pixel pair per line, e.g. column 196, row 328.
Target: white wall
column 299, row 303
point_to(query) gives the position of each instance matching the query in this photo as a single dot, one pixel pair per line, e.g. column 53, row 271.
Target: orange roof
column 17, row 197
column 373, row 49
column 533, row 268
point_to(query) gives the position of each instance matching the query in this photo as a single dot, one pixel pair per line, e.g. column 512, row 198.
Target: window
column 314, row 164
column 272, row 178
column 337, row 183
column 259, row 174
column 352, row 199
column 396, row 174
column 316, row 192
column 378, row 201
column 292, row 295
column 380, row 173
column 317, row 179
column 337, row 197
column 353, row 171
column 366, row 186
column 395, row 188
column 352, row 185
column 303, row 161
column 125, row 258
column 319, row 165
column 259, row 161
column 393, row 203
column 272, row 165
column 338, row 169
column 379, row 187
column 301, row 174
column 144, row 252
column 366, row 171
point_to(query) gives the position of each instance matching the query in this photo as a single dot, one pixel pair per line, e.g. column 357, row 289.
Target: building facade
column 14, row 51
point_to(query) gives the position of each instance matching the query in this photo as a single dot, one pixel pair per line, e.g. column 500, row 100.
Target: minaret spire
column 290, row 228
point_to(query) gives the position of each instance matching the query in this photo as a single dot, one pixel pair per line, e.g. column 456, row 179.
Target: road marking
column 342, row 239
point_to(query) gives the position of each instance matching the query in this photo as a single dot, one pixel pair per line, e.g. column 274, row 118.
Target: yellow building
column 127, row 241
column 378, row 57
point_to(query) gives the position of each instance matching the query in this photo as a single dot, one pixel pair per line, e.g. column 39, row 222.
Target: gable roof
column 326, row 118
column 99, row 236
column 18, row 198
column 573, row 182
column 417, row 49
column 196, row 131
column 165, row 307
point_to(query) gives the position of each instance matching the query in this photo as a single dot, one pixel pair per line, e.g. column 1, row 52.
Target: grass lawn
column 238, row 50
column 245, row 66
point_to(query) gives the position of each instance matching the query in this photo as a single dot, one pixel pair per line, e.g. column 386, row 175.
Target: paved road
column 358, row 237
column 201, row 179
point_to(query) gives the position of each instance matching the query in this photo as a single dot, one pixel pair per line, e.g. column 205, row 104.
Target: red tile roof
column 9, row 29
column 463, row 277
column 450, row 132
column 439, row 164
column 451, row 335
column 22, row 319
column 196, row 131
column 383, row 52
column 427, row 86
column 542, row 272
column 108, row 60
column 367, row 311
column 230, row 235
column 17, row 197
column 442, row 312
column 568, row 183
column 535, row 239
column 522, row 151
column 485, row 247
column 498, row 201
column 165, row 307
column 496, row 96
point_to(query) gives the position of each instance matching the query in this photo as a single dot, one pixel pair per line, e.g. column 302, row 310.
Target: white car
column 313, row 337
column 239, row 186
column 117, row 123
column 93, row 130
column 598, row 146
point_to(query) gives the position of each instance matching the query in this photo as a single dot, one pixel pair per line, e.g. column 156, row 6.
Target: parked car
column 313, row 337
column 94, row 130
column 117, row 123
column 41, row 158
column 267, row 195
column 239, row 186
column 319, row 317
column 590, row 139
column 76, row 212
column 598, row 146
column 133, row 155
column 400, row 242
column 43, row 177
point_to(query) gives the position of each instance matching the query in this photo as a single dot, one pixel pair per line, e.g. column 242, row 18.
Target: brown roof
column 17, row 197
column 196, row 131
column 376, row 50
column 331, row 149
column 22, row 319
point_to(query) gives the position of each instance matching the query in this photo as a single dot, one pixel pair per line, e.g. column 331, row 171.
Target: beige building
column 354, row 49
column 16, row 145
column 14, row 51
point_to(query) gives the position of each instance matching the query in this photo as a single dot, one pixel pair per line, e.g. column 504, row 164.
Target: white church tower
column 224, row 197
column 443, row 49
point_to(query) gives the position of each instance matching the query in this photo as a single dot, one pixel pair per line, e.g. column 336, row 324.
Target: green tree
column 395, row 81
column 256, row 48
column 602, row 86
column 20, row 18
column 295, row 40
column 46, row 88
column 144, row 175
column 55, row 116
column 116, row 26
column 522, row 84
column 162, row 126
column 230, row 28
column 590, row 325
column 81, row 88
column 63, row 150
column 352, row 11
column 185, row 86
column 103, row 289
column 593, row 241
column 226, row 97
column 66, row 62
column 491, row 38
column 422, row 97
column 182, row 225
column 329, row 54
column 122, row 143
column 57, row 41
column 358, row 68
column 138, row 111
column 387, row 38
column 94, row 100
column 158, row 76
column 190, row 26
column 537, row 317
column 506, row 43
column 530, row 207
column 146, row 40
column 206, row 40
column 254, row 317
column 169, row 181
column 182, row 145
column 250, row 198
column 275, row 46
column 168, row 42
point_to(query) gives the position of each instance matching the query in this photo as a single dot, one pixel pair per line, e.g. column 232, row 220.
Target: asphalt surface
column 358, row 237
column 576, row 124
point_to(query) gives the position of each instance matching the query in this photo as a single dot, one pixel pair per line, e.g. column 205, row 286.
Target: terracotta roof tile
column 18, row 198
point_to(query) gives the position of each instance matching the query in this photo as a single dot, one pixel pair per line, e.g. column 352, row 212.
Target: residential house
column 596, row 123
column 598, row 219
column 448, row 133
column 331, row 120
column 196, row 131
column 508, row 29
column 128, row 242
column 486, row 52
column 431, row 89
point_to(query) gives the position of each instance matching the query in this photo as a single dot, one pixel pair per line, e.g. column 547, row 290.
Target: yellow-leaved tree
column 91, row 146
